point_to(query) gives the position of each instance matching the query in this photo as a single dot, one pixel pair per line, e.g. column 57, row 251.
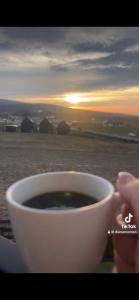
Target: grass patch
column 117, row 130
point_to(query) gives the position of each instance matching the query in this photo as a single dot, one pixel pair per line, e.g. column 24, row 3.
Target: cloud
column 119, row 45
column 59, row 68
column 133, row 48
column 103, row 35
column 50, row 60
column 37, row 34
column 124, row 58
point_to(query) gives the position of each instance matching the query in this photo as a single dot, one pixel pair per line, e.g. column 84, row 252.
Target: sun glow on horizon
column 73, row 98
column 130, row 110
column 122, row 100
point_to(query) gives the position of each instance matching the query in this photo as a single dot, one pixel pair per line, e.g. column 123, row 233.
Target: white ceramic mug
column 61, row 241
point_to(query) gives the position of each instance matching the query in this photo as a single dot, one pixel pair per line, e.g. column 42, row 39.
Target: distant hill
column 12, row 106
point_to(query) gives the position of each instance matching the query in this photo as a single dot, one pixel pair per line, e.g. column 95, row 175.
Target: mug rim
column 17, row 205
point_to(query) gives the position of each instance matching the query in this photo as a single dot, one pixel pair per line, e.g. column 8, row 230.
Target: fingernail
column 124, row 177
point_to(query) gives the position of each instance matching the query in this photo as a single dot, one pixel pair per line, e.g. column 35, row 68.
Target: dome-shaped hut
column 46, row 126
column 63, row 128
column 27, row 125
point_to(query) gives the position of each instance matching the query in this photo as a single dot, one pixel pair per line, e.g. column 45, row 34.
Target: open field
column 27, row 154
column 123, row 131
column 118, row 130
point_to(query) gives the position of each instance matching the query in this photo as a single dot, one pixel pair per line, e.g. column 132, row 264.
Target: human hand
column 126, row 246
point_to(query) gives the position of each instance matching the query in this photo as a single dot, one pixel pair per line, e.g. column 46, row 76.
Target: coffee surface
column 60, row 200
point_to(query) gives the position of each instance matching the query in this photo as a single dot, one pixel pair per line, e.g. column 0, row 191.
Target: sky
column 94, row 68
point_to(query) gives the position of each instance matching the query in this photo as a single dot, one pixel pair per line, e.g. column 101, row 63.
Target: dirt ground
column 23, row 155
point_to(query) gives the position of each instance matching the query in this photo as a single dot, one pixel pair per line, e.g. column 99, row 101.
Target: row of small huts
column 45, row 126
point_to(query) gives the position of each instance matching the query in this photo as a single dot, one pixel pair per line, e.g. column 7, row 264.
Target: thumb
column 124, row 178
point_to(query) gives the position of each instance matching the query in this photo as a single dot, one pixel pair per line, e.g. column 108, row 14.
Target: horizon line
column 72, row 107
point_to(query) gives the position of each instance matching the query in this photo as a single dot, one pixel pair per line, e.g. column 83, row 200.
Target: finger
column 124, row 178
column 122, row 266
column 125, row 210
column 130, row 195
column 125, row 246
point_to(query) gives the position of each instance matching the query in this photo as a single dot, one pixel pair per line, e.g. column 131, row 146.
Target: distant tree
column 46, row 126
column 63, row 128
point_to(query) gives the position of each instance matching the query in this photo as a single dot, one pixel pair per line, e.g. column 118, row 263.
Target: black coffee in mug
column 60, row 200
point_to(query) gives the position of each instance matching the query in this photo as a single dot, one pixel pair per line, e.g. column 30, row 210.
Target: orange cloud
column 129, row 109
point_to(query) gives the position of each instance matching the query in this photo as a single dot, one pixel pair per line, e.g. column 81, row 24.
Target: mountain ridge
column 7, row 105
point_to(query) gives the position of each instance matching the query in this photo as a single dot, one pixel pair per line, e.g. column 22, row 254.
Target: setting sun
column 73, row 98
